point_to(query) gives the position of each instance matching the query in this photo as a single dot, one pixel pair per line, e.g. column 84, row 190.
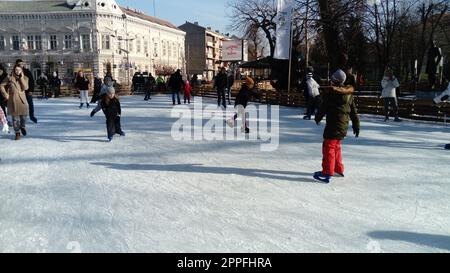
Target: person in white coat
column 390, row 84
column 314, row 96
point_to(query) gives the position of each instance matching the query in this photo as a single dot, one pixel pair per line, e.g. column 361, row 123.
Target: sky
column 209, row 13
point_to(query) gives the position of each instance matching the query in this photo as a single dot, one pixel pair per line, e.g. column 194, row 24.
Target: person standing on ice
column 176, row 83
column 29, row 92
column 13, row 90
column 339, row 107
column 245, row 94
column 187, row 92
column 312, row 88
column 220, row 83
column 110, row 105
column 97, row 88
column 3, row 76
column 390, row 84
column 82, row 84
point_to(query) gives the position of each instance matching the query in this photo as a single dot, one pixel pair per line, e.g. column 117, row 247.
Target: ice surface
column 65, row 189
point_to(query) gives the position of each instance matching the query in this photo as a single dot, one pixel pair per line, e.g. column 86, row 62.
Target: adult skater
column 389, row 84
column 339, row 107
column 220, row 83
column 245, row 94
column 176, row 84
column 13, row 88
column 30, row 91
column 82, row 84
column 150, row 84
column 43, row 83
column 97, row 88
column 55, row 85
column 110, row 105
column 313, row 102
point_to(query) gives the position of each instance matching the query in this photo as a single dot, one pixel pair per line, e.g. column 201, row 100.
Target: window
column 119, row 43
column 86, row 42
column 138, row 46
column 169, row 50
column 106, row 42
column 53, row 42
column 16, row 42
column 175, row 51
column 30, row 42
column 130, row 46
column 164, row 49
column 38, row 42
column 155, row 50
column 68, row 41
column 2, row 43
column 145, row 47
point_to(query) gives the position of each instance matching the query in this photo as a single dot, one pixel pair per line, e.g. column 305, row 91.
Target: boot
column 17, row 136
column 87, row 105
column 24, row 132
column 81, row 105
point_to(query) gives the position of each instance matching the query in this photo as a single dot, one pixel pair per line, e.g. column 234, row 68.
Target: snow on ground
column 64, row 188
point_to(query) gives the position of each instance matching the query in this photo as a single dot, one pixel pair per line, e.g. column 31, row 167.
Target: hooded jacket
column 339, row 106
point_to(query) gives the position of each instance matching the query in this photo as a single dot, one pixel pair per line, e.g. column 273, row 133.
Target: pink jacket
column 2, row 117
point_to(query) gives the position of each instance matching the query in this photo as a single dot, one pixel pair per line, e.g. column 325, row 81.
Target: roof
column 34, row 6
column 149, row 18
column 258, row 64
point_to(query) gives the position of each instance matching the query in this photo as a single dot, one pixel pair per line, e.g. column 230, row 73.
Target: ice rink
column 64, row 188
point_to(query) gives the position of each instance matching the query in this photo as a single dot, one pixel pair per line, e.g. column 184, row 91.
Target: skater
column 187, row 92
column 43, row 83
column 242, row 99
column 13, row 88
column 389, row 84
column 3, row 76
column 176, row 83
column 55, row 85
column 313, row 102
column 150, row 84
column 97, row 88
column 220, row 83
column 230, row 83
column 29, row 93
column 110, row 105
column 82, row 84
column 339, row 107
column 4, row 121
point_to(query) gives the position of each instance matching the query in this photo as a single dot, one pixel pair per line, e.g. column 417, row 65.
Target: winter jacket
column 244, row 96
column 111, row 107
column 339, row 107
column 13, row 90
column 220, row 82
column 97, row 85
column 55, row 82
column 312, row 87
column 176, row 82
column 150, row 83
column 3, row 120
column 30, row 77
column 389, row 87
column 82, row 83
column 187, row 88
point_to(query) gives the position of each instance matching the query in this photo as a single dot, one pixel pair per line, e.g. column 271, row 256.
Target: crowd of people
column 335, row 102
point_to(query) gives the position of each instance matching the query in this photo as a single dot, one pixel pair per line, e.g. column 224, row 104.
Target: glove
column 92, row 113
column 356, row 132
column 5, row 128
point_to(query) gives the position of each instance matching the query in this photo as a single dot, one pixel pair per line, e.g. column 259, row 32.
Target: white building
column 93, row 35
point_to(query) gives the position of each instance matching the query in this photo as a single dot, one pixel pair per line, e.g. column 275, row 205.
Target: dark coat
column 244, row 96
column 339, row 107
column 150, row 83
column 176, row 82
column 82, row 83
column 31, row 82
column 111, row 107
column 221, row 81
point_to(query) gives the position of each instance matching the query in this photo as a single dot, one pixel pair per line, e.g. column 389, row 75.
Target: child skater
column 244, row 95
column 339, row 107
column 110, row 105
column 187, row 92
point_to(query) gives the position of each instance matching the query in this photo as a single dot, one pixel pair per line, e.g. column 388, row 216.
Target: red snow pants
column 332, row 157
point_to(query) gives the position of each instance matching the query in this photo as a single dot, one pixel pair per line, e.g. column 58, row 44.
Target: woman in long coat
column 13, row 90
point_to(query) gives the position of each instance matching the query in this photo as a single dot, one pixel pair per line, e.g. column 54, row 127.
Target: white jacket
column 313, row 87
column 389, row 87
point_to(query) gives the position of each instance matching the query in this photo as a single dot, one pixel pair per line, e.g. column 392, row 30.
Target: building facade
column 96, row 36
column 203, row 50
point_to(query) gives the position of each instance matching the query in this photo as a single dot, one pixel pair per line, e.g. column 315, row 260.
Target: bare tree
column 258, row 14
column 256, row 44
